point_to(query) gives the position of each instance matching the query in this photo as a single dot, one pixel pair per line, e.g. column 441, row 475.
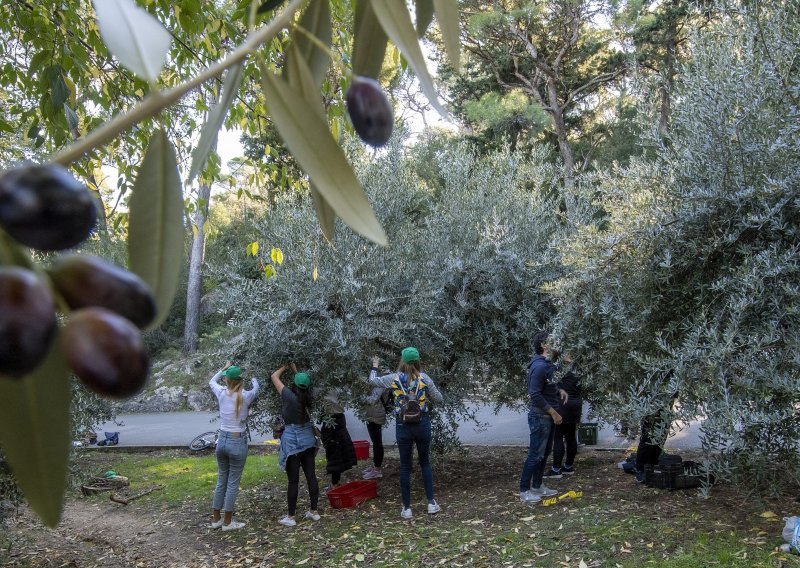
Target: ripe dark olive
column 106, row 352
column 85, row 281
column 370, row 111
column 27, row 321
column 45, row 208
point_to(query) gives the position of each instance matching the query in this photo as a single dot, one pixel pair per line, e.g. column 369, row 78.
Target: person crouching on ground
column 298, row 442
column 234, row 403
column 412, row 389
column 340, row 453
column 545, row 397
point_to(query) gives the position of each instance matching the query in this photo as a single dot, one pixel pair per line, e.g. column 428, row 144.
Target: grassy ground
column 615, row 523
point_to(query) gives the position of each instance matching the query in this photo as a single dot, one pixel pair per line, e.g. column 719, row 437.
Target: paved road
column 507, row 427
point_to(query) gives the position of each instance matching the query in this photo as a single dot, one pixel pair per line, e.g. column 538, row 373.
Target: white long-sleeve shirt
column 229, row 421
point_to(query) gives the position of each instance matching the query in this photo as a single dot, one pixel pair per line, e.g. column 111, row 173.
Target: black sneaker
column 553, row 473
column 568, row 470
column 640, row 477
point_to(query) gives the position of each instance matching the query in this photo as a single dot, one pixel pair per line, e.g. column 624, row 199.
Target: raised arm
column 433, row 390
column 214, row 382
column 253, row 392
column 276, row 378
column 385, row 381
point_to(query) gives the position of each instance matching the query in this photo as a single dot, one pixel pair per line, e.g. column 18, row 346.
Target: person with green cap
column 298, row 441
column 231, row 452
column 413, row 392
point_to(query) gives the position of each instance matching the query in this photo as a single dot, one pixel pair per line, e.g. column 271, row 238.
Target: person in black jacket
column 565, row 434
column 545, row 401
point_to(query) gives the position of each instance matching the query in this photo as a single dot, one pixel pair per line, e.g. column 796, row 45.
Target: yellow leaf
column 269, row 271
column 314, row 274
column 768, row 515
column 252, row 248
column 277, row 256
column 359, row 558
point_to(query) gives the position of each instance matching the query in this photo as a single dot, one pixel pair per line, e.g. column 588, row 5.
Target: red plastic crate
column 353, row 493
column 362, row 449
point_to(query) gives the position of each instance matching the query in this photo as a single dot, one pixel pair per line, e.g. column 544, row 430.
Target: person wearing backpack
column 381, row 402
column 231, row 452
column 298, row 442
column 413, row 391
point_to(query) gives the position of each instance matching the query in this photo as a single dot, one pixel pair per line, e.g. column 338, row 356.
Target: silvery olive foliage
column 690, row 285
column 460, row 278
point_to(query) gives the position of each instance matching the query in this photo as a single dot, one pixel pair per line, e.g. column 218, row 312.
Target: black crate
column 687, row 482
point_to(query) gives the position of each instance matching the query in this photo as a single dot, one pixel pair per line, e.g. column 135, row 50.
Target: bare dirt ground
column 478, row 495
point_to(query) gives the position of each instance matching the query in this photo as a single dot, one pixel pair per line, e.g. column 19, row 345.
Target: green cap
column 233, row 372
column 410, row 354
column 302, row 380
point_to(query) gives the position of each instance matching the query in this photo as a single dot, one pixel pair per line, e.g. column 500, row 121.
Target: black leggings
column 304, row 459
column 564, row 433
column 376, row 435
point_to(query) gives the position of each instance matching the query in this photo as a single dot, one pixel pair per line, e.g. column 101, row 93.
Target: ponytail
column 235, row 387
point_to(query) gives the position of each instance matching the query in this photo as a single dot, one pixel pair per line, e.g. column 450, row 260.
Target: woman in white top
column 234, row 404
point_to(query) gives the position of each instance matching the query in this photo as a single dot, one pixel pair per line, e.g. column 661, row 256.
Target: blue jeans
column 541, row 426
column 407, row 435
column 231, row 455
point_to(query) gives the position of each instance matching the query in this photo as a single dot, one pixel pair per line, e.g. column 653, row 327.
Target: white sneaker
column 529, row 497
column 368, row 469
column 543, row 491
column 312, row 515
column 373, row 474
column 286, row 521
column 406, row 513
column 433, row 508
column 234, row 525
column 216, row 524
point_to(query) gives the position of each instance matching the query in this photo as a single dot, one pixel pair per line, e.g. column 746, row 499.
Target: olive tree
column 690, row 284
column 460, row 279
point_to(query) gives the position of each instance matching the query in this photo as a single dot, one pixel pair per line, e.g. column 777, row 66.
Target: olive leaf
column 155, row 232
column 133, row 36
column 215, row 119
column 307, row 136
column 369, row 45
column 317, row 21
column 325, row 215
column 300, row 77
column 424, row 9
column 396, row 21
column 35, row 434
column 449, row 24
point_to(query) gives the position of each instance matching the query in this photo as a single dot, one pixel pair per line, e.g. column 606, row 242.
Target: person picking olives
column 234, row 404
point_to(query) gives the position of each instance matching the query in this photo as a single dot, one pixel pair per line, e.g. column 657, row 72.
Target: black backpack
column 387, row 400
column 410, row 407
